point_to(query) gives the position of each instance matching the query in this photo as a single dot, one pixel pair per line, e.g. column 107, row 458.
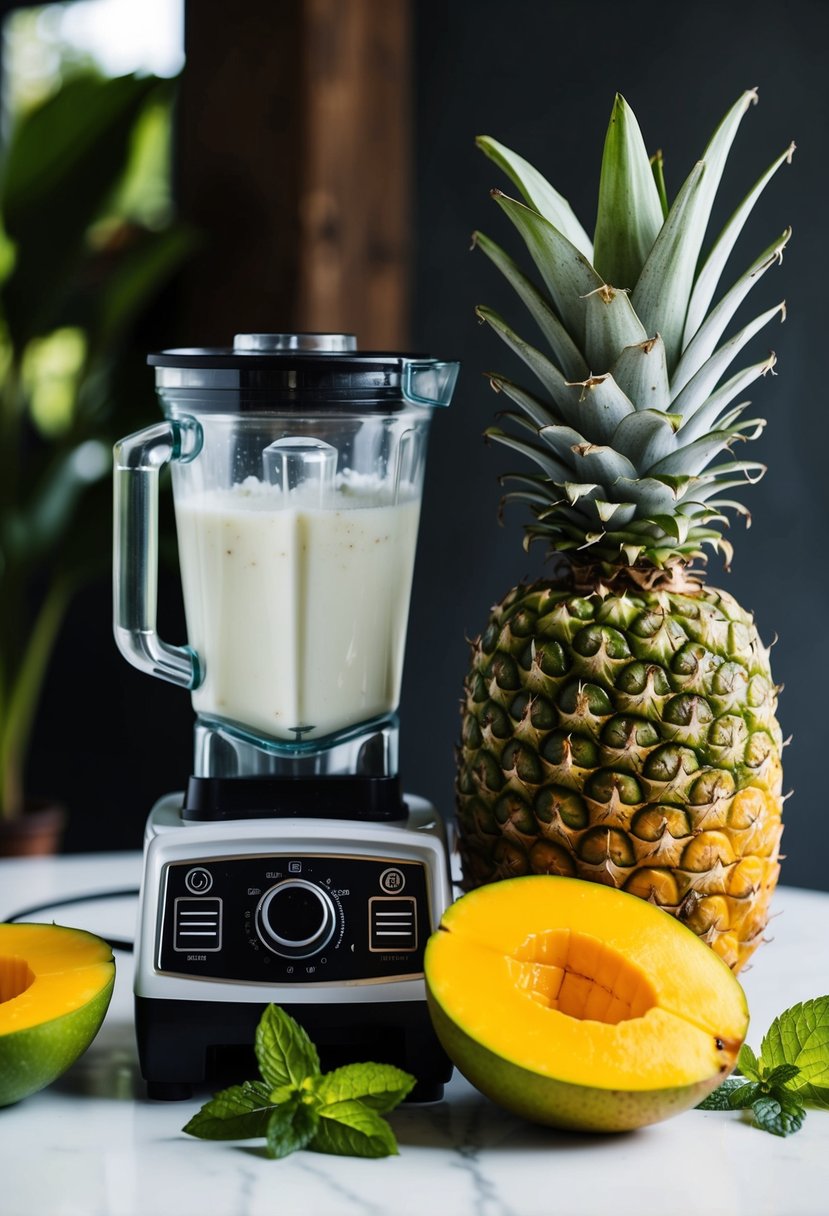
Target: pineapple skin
column 628, row 738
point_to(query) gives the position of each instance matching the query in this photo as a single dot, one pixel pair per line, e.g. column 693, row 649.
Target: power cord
column 115, row 943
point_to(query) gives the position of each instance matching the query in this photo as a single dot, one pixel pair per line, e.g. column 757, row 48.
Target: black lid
column 297, row 368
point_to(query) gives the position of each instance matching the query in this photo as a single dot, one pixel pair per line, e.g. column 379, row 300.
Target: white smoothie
column 297, row 613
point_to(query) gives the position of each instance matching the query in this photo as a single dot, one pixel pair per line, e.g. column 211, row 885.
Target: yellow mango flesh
column 579, row 1005
column 55, row 987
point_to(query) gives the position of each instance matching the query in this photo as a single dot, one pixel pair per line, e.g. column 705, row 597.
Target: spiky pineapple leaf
column 702, row 345
column 554, row 469
column 536, row 411
column 663, row 292
column 630, row 212
column 610, row 323
column 709, row 275
column 660, row 297
column 697, row 390
column 696, row 456
column 538, row 192
column 708, row 415
column 658, row 170
column 548, row 374
column 601, row 406
column 646, row 437
column 565, row 352
column 567, row 273
column 642, row 373
column 592, row 461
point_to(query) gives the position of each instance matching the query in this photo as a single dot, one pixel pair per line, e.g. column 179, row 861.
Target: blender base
column 186, row 1045
column 214, row 943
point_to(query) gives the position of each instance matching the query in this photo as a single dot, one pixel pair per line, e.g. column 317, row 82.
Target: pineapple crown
column 634, row 407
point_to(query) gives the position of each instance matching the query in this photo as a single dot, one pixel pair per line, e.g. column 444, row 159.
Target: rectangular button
column 392, row 923
column 197, row 925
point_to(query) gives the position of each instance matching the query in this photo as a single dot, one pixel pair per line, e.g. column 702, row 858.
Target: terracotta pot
column 38, row 832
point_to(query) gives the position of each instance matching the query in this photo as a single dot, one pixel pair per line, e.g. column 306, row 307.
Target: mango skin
column 34, row 1058
column 59, row 959
column 553, row 1103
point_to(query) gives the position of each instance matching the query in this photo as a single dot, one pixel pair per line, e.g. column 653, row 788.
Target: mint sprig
column 791, row 1073
column 294, row 1105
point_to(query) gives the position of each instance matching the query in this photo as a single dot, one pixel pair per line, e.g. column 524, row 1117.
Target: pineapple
column 619, row 720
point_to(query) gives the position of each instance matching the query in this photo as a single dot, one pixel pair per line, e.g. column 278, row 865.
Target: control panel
column 302, row 918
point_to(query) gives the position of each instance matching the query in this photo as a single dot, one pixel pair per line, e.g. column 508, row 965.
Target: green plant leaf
column 744, row 1095
column 352, row 1129
column 238, row 1113
column 609, row 324
column 553, row 469
column 602, row 406
column 536, row 411
column 800, row 1035
column 658, row 170
column 566, row 271
column 748, row 1063
column 701, row 385
column 721, row 1097
column 284, row 1052
column 378, row 1086
column 703, row 418
column 662, row 295
column 645, row 437
column 291, row 1126
column 538, row 192
column 565, row 352
column 709, row 276
column 781, row 1074
column 642, row 374
column 86, row 125
column 779, row 1114
column 546, row 371
column 630, row 209
column 704, row 342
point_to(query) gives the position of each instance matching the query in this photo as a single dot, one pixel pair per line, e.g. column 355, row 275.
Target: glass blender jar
column 297, row 467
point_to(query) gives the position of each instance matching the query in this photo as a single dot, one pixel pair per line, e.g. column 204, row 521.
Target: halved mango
column 55, row 987
column 581, row 1006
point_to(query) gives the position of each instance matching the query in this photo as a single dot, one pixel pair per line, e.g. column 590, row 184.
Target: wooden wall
column 293, row 150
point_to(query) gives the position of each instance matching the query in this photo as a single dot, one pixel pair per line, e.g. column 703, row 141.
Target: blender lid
column 306, row 367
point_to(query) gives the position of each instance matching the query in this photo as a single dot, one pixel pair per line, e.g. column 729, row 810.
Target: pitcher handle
column 138, row 460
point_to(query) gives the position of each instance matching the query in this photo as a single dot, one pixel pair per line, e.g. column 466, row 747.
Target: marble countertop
column 93, row 1145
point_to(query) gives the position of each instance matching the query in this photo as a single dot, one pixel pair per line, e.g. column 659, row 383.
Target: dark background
column 541, row 78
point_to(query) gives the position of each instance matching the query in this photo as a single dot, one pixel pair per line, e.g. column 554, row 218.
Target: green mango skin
column 560, row 1104
column 32, row 1059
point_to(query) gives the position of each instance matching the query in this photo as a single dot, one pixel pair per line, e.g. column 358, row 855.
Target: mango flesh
column 55, row 987
column 580, row 1006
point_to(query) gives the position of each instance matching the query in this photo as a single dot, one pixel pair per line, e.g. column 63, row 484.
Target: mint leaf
column 800, row 1036
column 293, row 1106
column 748, row 1063
column 351, row 1129
column 290, row 1127
column 779, row 1114
column 720, row 1099
column 238, row 1113
column 285, row 1054
column 379, row 1086
column 748, row 1092
column 781, row 1075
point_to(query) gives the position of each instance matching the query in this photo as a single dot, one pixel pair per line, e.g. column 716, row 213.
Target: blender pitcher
column 297, row 469
column 293, row 869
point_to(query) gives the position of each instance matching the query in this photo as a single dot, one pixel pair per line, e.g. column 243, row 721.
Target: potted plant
column 80, row 265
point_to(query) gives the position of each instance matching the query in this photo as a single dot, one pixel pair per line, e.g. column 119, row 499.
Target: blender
column 293, row 868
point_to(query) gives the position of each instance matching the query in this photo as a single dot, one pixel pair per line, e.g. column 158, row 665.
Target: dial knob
column 296, row 919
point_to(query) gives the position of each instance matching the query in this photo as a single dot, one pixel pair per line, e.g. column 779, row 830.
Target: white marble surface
column 92, row 1145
